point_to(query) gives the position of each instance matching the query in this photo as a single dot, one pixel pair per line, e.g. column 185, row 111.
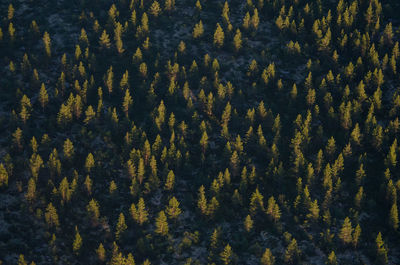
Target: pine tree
column 267, row 258
column 161, row 224
column 219, row 36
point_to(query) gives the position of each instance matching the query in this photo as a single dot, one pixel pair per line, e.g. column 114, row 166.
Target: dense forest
column 199, row 132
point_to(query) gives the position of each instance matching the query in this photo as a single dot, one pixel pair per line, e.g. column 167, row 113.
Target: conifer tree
column 43, row 96
column 3, row 176
column 47, row 44
column 139, row 214
column 237, row 40
column 101, row 253
column 346, row 231
column 155, row 9
column 68, row 149
column 89, row 164
column 394, row 217
column 89, row 115
column 35, row 164
column 127, row 102
column 173, row 209
column 381, row 250
column 219, row 36
column 226, row 255
column 332, row 259
column 248, row 223
column 121, row 226
column 51, row 216
column 169, row 183
column 31, row 192
column 161, row 224
column 198, row 30
column 93, row 210
column 105, row 40
column 77, row 244
column 292, row 253
column 202, row 200
column 267, row 258
column 356, row 235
